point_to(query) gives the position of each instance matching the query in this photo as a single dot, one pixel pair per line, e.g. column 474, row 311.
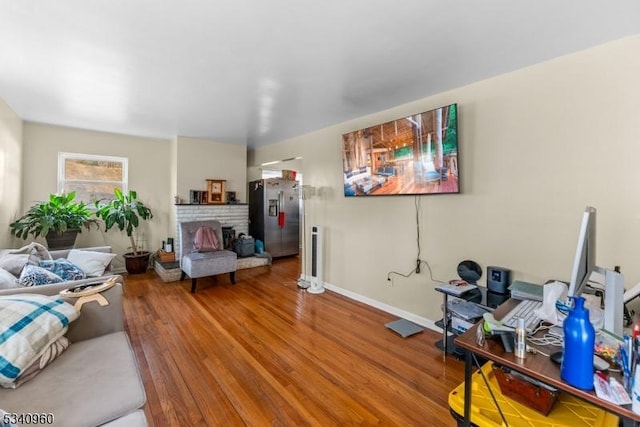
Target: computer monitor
column 585, row 263
column 585, row 260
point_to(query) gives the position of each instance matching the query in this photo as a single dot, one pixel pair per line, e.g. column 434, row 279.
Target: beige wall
column 536, row 146
column 149, row 175
column 173, row 156
column 158, row 170
column 202, row 159
column 10, row 171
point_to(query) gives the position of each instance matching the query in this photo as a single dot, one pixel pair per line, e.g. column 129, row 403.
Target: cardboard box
column 289, row 174
column 166, row 256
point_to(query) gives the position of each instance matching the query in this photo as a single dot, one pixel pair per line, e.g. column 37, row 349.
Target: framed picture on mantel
column 216, row 188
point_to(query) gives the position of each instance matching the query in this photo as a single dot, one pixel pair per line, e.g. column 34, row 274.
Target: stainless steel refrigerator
column 274, row 215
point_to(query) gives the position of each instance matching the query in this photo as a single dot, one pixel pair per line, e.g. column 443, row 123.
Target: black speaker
column 470, row 271
column 498, row 279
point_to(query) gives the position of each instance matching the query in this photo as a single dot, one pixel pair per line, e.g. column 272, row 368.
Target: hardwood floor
column 263, row 352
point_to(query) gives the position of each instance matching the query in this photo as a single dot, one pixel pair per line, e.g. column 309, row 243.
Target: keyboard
column 525, row 309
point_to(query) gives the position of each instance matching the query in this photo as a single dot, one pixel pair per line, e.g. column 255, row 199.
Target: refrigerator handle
column 280, row 210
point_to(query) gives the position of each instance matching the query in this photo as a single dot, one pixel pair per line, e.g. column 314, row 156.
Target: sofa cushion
column 36, row 251
column 8, row 280
column 93, row 382
column 14, row 260
column 91, row 262
column 63, row 268
column 13, row 263
column 202, row 264
column 33, row 275
column 134, row 419
column 28, row 325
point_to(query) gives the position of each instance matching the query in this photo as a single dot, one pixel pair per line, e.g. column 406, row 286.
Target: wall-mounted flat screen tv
column 414, row 155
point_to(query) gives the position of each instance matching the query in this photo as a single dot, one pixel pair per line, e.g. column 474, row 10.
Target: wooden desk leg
column 468, row 365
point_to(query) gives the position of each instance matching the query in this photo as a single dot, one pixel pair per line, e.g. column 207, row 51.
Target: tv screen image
column 413, row 155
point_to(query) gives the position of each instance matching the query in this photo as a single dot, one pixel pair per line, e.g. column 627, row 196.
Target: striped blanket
column 29, row 324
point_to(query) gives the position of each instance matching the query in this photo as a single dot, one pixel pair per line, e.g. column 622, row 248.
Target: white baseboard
column 422, row 321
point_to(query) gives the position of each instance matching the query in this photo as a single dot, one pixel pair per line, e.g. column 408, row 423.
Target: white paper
column 551, row 293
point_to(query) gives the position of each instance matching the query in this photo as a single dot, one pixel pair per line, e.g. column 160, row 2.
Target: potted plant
column 126, row 211
column 59, row 221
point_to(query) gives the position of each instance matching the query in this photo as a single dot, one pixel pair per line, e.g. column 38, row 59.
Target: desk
column 535, row 365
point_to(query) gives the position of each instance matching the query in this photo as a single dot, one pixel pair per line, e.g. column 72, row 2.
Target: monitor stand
column 613, row 300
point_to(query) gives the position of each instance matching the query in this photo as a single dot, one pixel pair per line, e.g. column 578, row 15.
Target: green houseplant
column 58, row 220
column 125, row 211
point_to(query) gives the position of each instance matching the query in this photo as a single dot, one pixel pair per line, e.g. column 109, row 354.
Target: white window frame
column 277, row 173
column 62, row 157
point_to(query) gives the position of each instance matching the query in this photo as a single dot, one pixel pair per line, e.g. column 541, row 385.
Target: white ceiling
column 258, row 71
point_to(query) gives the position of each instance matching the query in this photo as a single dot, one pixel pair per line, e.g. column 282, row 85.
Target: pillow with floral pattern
column 34, row 275
column 63, row 268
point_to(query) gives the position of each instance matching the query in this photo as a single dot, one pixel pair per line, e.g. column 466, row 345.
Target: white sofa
column 96, row 381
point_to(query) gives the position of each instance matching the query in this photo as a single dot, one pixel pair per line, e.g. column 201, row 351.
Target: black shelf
column 452, row 349
column 480, row 296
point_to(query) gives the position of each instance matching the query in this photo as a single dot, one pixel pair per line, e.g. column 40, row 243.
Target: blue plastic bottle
column 579, row 339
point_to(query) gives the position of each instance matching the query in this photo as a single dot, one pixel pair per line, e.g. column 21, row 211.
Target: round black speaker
column 470, row 271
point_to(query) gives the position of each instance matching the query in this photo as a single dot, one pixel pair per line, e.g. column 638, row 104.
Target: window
column 269, row 173
column 91, row 177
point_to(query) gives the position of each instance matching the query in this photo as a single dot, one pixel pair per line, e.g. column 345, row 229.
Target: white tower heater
column 317, row 266
column 307, row 193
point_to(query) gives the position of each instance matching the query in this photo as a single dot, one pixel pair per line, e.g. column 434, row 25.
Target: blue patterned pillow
column 63, row 268
column 33, row 275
